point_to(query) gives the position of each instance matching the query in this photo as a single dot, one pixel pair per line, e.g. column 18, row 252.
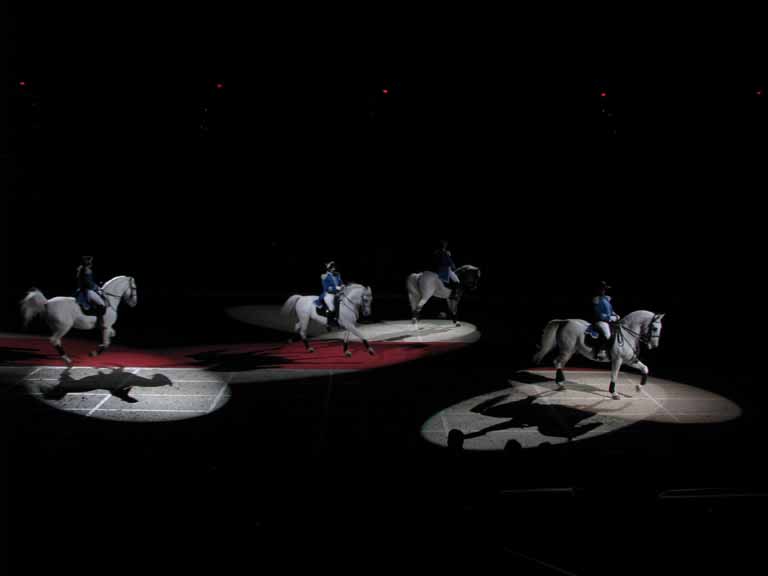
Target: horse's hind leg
column 560, row 361
column 413, row 300
column 303, row 324
column 55, row 340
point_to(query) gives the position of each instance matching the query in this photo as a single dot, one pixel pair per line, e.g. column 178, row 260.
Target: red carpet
column 329, row 355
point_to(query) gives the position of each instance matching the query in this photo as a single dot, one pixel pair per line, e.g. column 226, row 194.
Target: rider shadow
column 223, row 361
column 550, row 419
column 118, row 383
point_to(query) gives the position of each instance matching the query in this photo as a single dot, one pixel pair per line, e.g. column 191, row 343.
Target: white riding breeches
column 94, row 298
column 328, row 299
column 605, row 328
column 453, row 277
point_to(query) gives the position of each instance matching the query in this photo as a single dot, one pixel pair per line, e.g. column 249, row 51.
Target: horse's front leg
column 453, row 309
column 359, row 334
column 615, row 367
column 644, row 371
column 106, row 340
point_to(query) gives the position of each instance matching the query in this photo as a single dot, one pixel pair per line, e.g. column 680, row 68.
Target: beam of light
column 531, row 412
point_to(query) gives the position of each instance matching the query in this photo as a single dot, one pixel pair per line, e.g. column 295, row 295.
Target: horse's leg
column 560, row 361
column 615, row 367
column 303, row 325
column 419, row 306
column 644, row 370
column 347, row 351
column 453, row 310
column 413, row 300
column 106, row 333
column 58, row 333
column 351, row 328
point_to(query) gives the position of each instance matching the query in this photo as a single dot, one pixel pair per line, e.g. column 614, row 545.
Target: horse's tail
column 290, row 305
column 548, row 339
column 32, row 305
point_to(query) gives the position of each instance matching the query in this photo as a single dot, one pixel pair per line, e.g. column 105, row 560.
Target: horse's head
column 654, row 331
column 469, row 276
column 123, row 287
column 360, row 296
column 131, row 295
column 366, row 297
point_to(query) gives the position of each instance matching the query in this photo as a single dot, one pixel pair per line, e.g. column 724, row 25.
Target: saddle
column 85, row 307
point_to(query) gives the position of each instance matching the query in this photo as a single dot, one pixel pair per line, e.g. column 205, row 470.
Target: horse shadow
column 19, row 355
column 117, row 382
column 550, row 419
column 224, row 361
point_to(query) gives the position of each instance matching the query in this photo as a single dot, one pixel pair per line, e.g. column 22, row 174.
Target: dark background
column 493, row 133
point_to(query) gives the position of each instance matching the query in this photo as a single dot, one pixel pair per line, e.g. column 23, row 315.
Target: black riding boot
column 335, row 313
column 100, row 311
column 454, row 288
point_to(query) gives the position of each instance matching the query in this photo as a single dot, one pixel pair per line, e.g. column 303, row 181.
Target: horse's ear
column 660, row 316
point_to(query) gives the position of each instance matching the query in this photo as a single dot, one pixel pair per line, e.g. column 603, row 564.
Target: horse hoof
column 67, row 360
column 638, row 387
column 615, row 396
column 348, row 354
column 371, row 352
column 93, row 353
column 560, row 387
column 310, row 349
column 457, row 324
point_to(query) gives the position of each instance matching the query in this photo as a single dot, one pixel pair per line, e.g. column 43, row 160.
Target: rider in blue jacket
column 89, row 293
column 445, row 268
column 604, row 315
column 333, row 286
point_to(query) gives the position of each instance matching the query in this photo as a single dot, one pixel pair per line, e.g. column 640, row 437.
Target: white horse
column 354, row 300
column 639, row 327
column 424, row 285
column 64, row 313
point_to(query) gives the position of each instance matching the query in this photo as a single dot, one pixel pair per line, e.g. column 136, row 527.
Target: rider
column 88, row 292
column 332, row 289
column 445, row 268
column 603, row 316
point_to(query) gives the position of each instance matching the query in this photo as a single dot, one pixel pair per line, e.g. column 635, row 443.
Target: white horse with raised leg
column 63, row 313
column 422, row 286
column 354, row 301
column 639, row 327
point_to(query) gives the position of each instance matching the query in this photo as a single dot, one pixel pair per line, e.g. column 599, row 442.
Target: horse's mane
column 108, row 282
column 638, row 314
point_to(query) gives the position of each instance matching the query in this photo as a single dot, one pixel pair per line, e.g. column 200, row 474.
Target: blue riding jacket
column 443, row 264
column 332, row 283
column 602, row 308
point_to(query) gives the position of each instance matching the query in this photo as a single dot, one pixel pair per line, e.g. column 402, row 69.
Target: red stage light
column 385, row 91
column 219, row 85
column 22, row 83
column 603, row 94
